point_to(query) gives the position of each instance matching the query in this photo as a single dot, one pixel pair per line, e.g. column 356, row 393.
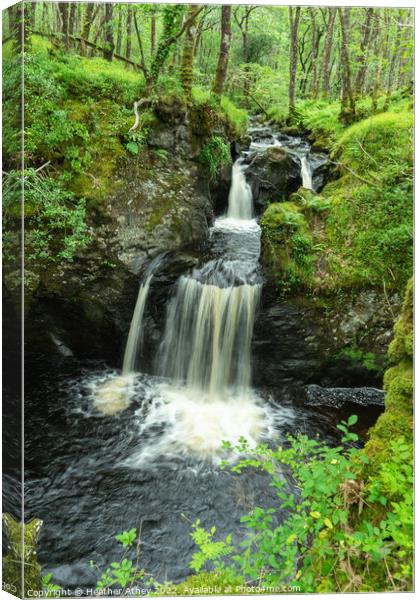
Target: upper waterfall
column 306, row 172
column 240, row 194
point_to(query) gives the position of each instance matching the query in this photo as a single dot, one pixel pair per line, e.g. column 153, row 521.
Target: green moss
column 361, row 225
column 397, row 420
column 17, row 553
column 374, row 143
column 287, row 245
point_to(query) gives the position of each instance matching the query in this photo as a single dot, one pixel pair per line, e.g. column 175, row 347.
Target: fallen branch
column 362, row 179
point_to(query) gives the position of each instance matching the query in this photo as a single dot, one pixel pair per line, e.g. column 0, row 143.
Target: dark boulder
column 272, row 175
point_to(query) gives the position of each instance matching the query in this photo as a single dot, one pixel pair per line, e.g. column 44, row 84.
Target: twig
column 338, row 164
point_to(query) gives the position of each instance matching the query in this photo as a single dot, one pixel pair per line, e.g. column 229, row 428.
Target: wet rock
column 273, row 175
column 316, row 395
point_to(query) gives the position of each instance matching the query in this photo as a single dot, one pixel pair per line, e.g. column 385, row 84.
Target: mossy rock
column 397, row 420
column 18, row 553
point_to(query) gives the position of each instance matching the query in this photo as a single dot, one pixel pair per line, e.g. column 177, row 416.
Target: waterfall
column 306, row 173
column 240, row 194
column 208, row 333
column 135, row 335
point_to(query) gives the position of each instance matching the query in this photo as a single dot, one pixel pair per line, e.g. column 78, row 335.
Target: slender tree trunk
column 153, row 33
column 72, row 19
column 129, row 28
column 109, row 32
column 393, row 63
column 348, row 107
column 119, row 31
column 142, row 60
column 294, row 16
column 44, row 16
column 314, row 54
column 87, row 24
column 188, row 55
column 64, row 12
column 327, row 52
column 222, row 65
column 362, row 56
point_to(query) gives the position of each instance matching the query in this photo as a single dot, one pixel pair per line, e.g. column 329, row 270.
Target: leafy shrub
column 56, row 225
column 214, row 154
column 338, row 534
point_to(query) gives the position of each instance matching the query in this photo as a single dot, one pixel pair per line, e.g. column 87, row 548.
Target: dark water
column 76, row 482
column 84, row 478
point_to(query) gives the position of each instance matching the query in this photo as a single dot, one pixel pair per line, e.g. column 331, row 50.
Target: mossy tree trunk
column 129, row 29
column 294, row 17
column 362, row 58
column 64, row 14
column 87, row 24
column 348, row 107
column 119, row 30
column 222, row 65
column 187, row 60
column 172, row 31
column 109, row 32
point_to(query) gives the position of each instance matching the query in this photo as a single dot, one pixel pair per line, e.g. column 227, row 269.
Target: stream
column 107, row 450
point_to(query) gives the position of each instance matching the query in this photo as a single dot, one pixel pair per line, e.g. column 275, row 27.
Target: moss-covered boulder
column 397, row 420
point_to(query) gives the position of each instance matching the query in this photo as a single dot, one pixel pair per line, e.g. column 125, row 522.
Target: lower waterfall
column 135, row 334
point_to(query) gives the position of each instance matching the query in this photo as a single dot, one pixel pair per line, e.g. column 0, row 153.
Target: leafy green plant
column 215, row 154
column 50, row 588
column 56, row 222
column 324, row 534
column 356, row 355
column 126, row 572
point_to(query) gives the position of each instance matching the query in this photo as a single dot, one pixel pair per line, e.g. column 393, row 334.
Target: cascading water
column 114, row 395
column 240, row 194
column 135, row 334
column 208, row 336
column 306, row 172
column 204, row 359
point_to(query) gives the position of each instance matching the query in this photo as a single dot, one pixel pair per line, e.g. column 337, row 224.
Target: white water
column 306, row 172
column 208, row 334
column 240, row 194
column 135, row 335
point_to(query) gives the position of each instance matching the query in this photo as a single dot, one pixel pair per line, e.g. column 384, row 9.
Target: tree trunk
column 393, row 62
column 314, row 54
column 171, row 14
column 327, row 52
column 142, row 60
column 222, row 65
column 44, row 17
column 188, row 55
column 87, row 24
column 362, row 57
column 348, row 108
column 152, row 34
column 72, row 23
column 109, row 32
column 119, row 31
column 64, row 13
column 294, row 28
column 129, row 27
